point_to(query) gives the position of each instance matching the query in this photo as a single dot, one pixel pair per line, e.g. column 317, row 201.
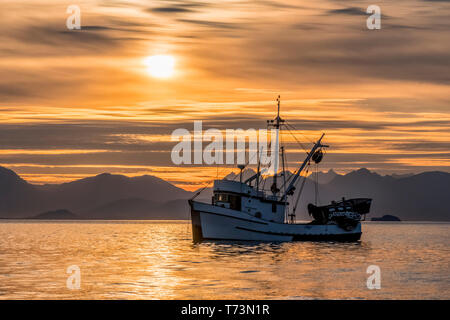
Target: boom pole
column 316, row 146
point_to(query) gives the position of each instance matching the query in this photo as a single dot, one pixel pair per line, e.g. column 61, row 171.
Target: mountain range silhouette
column 421, row 196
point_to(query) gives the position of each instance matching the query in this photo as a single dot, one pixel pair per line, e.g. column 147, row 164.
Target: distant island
column 60, row 214
column 386, row 217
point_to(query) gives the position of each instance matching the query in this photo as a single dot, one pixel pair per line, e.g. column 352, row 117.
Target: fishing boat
column 241, row 210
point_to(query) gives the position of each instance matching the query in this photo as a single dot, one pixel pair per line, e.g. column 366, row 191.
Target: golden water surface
column 157, row 260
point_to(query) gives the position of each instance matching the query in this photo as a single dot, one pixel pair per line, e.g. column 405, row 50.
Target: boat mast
column 276, row 124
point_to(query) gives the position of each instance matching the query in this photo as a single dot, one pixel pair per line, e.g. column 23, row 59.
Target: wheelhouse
column 240, row 196
column 227, row 200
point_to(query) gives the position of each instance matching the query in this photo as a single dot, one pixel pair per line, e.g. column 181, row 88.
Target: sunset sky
column 75, row 103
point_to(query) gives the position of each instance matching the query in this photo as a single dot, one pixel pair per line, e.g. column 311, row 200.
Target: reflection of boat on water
column 241, row 210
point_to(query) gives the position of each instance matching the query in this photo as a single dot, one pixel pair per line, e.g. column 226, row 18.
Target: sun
column 160, row 66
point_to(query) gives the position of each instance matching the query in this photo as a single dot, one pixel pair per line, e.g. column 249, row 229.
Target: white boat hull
column 217, row 223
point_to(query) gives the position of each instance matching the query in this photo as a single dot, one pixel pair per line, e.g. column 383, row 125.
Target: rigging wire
column 294, row 128
column 263, row 181
column 286, row 169
column 316, row 185
column 299, row 143
column 257, row 154
column 208, row 182
column 300, row 191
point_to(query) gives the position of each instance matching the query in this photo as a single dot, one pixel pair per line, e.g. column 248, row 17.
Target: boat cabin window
column 222, row 197
column 233, row 200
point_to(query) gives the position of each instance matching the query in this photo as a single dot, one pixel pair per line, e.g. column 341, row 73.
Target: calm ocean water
column 157, row 260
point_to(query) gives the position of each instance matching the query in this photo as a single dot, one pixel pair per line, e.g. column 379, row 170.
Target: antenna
column 258, row 171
